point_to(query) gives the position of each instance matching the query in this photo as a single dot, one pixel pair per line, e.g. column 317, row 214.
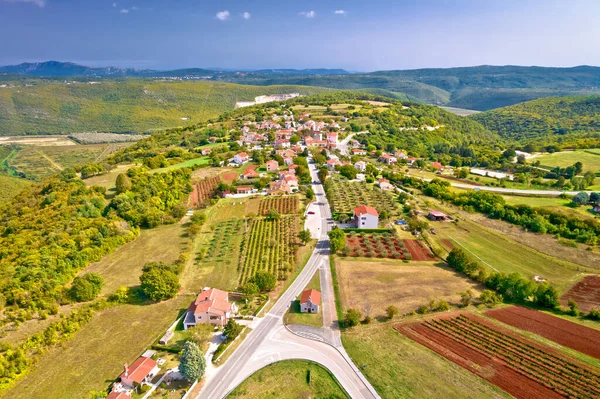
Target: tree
column 337, row 239
column 310, row 194
column 595, row 198
column 573, row 308
column 349, row 172
column 273, row 215
column 392, row 311
column 200, row 334
column 192, row 363
column 159, row 283
column 123, row 183
column 305, row 236
column 86, row 287
column 232, row 329
column 581, row 198
column 322, row 175
column 546, row 296
column 466, row 297
column 264, row 280
column 352, row 317
column 490, row 298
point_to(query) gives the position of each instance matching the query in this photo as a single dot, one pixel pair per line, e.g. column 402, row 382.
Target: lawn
column 11, row 186
column 589, row 158
column 400, row 368
column 294, row 316
column 186, row 164
column 290, row 379
column 407, row 286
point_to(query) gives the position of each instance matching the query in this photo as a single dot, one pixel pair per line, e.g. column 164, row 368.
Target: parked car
column 310, row 213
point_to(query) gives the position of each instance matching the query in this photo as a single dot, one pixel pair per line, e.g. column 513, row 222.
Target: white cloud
column 308, row 14
column 124, row 11
column 134, row 8
column 39, row 3
column 246, row 15
column 340, row 12
column 114, row 5
column 223, row 15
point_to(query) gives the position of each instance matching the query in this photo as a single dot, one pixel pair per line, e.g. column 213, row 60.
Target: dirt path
column 54, row 164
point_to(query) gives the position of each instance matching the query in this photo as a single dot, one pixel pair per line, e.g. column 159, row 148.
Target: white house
column 388, row 159
column 241, row 158
column 309, row 301
column 361, row 166
column 211, row 306
column 366, row 217
column 384, row 184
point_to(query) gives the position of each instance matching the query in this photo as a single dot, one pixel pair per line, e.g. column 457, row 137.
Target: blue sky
column 361, row 35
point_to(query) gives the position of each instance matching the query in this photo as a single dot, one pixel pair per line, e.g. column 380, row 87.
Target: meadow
column 589, row 158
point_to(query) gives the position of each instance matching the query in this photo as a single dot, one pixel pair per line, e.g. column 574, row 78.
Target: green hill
column 128, row 105
column 546, row 120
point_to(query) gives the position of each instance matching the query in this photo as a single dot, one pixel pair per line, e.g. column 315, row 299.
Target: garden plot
column 283, row 205
column 344, row 196
column 375, row 246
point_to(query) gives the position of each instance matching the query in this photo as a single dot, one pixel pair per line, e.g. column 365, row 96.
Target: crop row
column 345, row 196
column 270, row 246
column 283, row 205
column 221, row 243
column 559, row 374
column 203, row 190
column 376, row 245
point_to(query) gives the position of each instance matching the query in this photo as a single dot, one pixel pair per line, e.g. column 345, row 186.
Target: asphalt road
column 509, row 190
column 271, row 341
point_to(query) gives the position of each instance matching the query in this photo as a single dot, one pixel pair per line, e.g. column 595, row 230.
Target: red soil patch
column 202, row 190
column 575, row 336
column 417, row 251
column 230, row 176
column 519, row 366
column 586, row 293
column 390, row 247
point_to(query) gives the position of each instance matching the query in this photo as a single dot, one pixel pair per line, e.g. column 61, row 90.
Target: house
column 332, row 138
column 334, row 125
column 292, row 168
column 358, row 151
column 290, row 178
column 361, row 166
column 331, row 164
column 206, row 151
column 384, row 184
column 118, row 395
column 279, row 187
column 250, row 173
column 437, row 216
column 140, row 371
column 282, row 143
column 272, row 165
column 243, row 190
column 437, row 166
column 411, row 161
column 387, row 159
column 288, row 160
column 400, row 155
column 366, row 217
column 309, row 301
column 241, row 158
column 211, row 306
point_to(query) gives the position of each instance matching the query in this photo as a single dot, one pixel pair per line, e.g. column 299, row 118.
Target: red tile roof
column 140, row 369
column 212, row 301
column 365, row 210
column 313, row 295
column 118, row 395
column 437, row 165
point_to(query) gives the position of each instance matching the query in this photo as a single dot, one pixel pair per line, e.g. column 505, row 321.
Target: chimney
column 126, row 370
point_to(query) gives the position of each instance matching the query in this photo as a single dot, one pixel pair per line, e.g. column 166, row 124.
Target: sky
column 255, row 34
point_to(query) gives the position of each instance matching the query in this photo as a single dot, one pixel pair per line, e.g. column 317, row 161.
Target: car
column 310, row 213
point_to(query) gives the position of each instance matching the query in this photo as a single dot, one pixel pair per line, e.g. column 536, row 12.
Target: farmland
column 270, row 246
column 293, row 375
column 390, row 282
column 589, row 158
column 345, row 196
column 586, row 293
column 222, row 242
column 519, row 366
column 185, row 164
column 203, row 190
column 376, row 246
column 575, row 336
column 283, row 205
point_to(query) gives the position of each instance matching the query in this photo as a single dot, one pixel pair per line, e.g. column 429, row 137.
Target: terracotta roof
column 365, row 210
column 438, row 214
column 272, row 161
column 212, row 301
column 313, row 295
column 118, row 395
column 140, row 369
column 437, row 165
column 242, row 154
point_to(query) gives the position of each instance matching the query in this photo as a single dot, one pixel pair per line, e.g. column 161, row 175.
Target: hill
column 547, row 120
column 40, row 106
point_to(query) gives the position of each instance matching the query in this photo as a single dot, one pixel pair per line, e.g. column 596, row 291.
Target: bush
column 159, row 284
column 593, row 314
column 352, row 317
column 86, row 287
column 391, row 312
column 423, row 309
column 264, row 280
column 573, row 308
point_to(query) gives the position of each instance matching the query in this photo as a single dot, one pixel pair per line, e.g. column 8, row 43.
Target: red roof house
column 142, row 370
column 309, row 301
column 366, row 217
column 118, row 395
column 211, row 306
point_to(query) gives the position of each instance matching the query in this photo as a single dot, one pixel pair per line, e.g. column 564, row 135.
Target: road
column 271, row 341
column 343, row 145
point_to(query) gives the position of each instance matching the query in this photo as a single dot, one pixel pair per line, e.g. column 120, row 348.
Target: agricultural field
column 586, row 293
column 271, row 245
column 518, row 365
column 301, row 379
column 295, row 316
column 202, row 191
column 108, row 180
column 575, row 336
column 11, row 186
column 345, row 196
column 589, row 158
column 185, row 164
column 407, row 286
column 562, row 205
column 398, row 367
column 225, row 235
column 375, row 246
column 285, row 205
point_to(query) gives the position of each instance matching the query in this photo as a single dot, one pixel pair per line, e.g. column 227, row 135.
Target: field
column 203, row 190
column 294, row 316
column 589, row 158
column 521, row 367
column 397, row 367
column 108, row 180
column 575, row 336
column 586, row 293
column 345, row 196
column 557, row 204
column 376, row 246
column 271, row 245
column 270, row 381
column 11, row 186
column 390, row 282
column 283, row 205
column 225, row 237
column 185, row 164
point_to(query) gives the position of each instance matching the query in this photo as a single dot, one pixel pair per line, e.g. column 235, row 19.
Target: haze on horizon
column 351, row 34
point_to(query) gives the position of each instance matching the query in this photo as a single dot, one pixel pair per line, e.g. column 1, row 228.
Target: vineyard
column 375, row 246
column 345, row 196
column 283, row 205
column 221, row 244
column 203, row 190
column 522, row 368
column 270, row 246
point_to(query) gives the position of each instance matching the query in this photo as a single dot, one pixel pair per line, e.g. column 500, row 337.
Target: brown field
column 203, row 190
column 204, row 173
column 575, row 336
column 419, row 250
column 407, row 286
column 586, row 293
column 230, row 176
column 521, row 367
column 376, row 246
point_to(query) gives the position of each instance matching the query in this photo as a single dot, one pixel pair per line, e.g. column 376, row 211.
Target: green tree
column 348, row 171
column 304, row 236
column 273, row 215
column 573, row 308
column 490, row 298
column 200, row 334
column 264, row 280
column 352, row 317
column 159, row 283
column 232, row 329
column 86, row 287
column 123, row 183
column 581, row 198
column 322, row 175
column 192, row 363
column 466, row 297
column 337, row 239
column 391, row 311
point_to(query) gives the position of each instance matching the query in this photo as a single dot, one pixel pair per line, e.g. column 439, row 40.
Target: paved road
column 271, row 341
column 343, row 145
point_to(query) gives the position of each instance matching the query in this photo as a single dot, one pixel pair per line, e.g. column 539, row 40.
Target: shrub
column 352, row 317
column 86, row 287
column 264, row 280
column 593, row 314
column 392, row 311
column 422, row 309
column 192, row 363
column 159, row 284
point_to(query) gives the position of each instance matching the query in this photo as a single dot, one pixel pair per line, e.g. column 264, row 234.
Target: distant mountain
column 319, row 71
column 57, row 68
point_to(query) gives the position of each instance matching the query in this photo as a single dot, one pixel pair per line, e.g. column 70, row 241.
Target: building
column 250, row 173
column 241, row 158
column 387, row 159
column 272, row 165
column 309, row 301
column 211, row 306
column 437, row 216
column 366, row 217
column 243, row 190
column 118, row 395
column 206, row 151
column 359, row 151
column 400, row 155
column 437, row 166
column 384, row 184
column 141, row 371
column 331, row 164
column 361, row 166
column 292, row 168
column 282, row 143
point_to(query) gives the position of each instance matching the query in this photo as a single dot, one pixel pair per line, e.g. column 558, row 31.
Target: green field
column 294, row 316
column 554, row 203
column 10, row 186
column 400, row 368
column 289, row 379
column 185, row 164
column 589, row 158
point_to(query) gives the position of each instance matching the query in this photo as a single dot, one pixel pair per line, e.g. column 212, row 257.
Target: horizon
column 155, row 34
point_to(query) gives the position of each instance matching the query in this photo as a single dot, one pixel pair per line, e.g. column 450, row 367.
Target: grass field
column 407, row 286
column 589, row 158
column 185, row 164
column 108, row 180
column 554, row 203
column 11, row 186
column 400, row 368
column 294, row 316
column 290, row 379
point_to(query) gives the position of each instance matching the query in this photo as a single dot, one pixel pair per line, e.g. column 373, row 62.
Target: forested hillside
column 129, row 105
column 571, row 121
